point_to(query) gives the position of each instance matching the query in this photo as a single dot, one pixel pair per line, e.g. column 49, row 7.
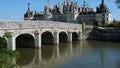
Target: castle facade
column 69, row 11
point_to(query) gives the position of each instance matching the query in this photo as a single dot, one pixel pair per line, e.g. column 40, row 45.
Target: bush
column 103, row 23
column 114, row 24
column 96, row 23
column 7, row 56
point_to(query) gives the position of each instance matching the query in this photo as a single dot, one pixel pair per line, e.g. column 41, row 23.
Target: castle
column 69, row 11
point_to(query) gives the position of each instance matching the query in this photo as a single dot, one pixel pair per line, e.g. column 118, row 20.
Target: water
column 83, row 54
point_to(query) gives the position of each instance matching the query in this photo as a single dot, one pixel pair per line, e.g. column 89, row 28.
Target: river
column 83, row 54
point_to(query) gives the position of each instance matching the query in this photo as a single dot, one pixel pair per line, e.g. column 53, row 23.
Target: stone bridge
column 36, row 33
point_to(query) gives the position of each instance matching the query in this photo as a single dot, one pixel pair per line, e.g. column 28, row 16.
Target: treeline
column 114, row 23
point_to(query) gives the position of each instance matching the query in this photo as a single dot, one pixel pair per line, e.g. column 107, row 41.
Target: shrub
column 6, row 55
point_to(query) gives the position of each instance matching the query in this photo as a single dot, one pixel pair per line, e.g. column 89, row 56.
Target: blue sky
column 15, row 9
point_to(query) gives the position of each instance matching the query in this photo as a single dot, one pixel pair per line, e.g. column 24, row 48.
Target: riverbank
column 102, row 34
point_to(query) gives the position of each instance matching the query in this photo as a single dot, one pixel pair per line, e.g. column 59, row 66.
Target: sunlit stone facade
column 69, row 11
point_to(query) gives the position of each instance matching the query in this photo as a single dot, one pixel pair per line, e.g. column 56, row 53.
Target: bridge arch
column 75, row 36
column 47, row 38
column 63, row 37
column 25, row 41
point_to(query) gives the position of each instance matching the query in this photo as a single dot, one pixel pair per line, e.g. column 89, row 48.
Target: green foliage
column 6, row 35
column 6, row 58
column 3, row 40
column 80, row 21
column 6, row 55
column 118, row 3
column 88, row 23
column 96, row 23
column 114, row 24
column 104, row 23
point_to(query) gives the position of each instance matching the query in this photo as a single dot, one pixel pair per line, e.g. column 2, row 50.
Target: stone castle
column 69, row 11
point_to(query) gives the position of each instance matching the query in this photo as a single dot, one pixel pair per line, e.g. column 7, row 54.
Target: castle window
column 107, row 19
column 107, row 14
column 106, row 10
column 103, row 14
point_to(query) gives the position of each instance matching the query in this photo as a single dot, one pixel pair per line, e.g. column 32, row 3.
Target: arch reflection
column 26, row 56
column 48, row 56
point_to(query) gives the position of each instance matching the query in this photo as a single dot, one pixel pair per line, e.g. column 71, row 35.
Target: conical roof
column 103, row 5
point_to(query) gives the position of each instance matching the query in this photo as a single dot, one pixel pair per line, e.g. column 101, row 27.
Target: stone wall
column 104, row 34
column 86, row 31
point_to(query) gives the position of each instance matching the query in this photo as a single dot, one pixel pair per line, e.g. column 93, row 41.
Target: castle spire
column 67, row 0
column 58, row 1
column 84, row 3
column 48, row 1
column 28, row 4
column 102, row 1
column 29, row 7
column 29, row 13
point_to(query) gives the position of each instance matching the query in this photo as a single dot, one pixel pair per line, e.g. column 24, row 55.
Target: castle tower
column 29, row 14
column 84, row 3
column 103, row 7
column 102, row 1
column 68, row 1
column 48, row 8
column 48, row 11
column 103, row 13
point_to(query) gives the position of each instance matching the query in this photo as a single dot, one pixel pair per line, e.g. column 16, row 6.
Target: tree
column 114, row 23
column 96, row 23
column 103, row 23
column 6, row 55
column 88, row 23
column 4, row 39
column 118, row 3
column 80, row 21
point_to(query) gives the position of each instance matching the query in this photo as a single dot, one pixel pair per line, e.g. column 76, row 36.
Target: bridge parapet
column 37, row 24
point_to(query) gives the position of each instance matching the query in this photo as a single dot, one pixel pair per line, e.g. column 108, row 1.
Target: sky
column 15, row 9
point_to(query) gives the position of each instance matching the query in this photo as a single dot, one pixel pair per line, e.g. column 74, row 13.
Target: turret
column 103, row 7
column 104, row 11
column 48, row 8
column 29, row 14
column 84, row 3
column 102, row 1
column 48, row 11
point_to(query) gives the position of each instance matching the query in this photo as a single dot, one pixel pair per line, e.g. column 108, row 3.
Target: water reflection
column 26, row 56
column 83, row 54
column 47, row 52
